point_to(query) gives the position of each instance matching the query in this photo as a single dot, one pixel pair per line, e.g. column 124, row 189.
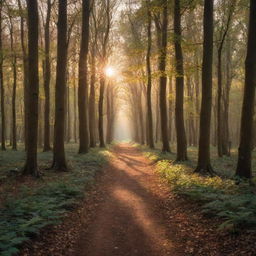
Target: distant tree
column 244, row 168
column 204, row 162
column 59, row 158
column 2, row 82
column 222, row 144
column 179, row 112
column 92, row 100
column 107, row 12
column 33, row 90
column 14, row 76
column 111, row 107
column 83, row 83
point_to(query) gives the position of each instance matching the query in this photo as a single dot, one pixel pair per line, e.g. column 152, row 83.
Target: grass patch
column 219, row 196
column 22, row 217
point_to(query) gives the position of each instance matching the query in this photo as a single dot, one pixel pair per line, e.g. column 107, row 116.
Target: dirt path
column 130, row 211
column 129, row 219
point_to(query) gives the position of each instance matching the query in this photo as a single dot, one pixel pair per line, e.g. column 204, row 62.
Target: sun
column 109, row 71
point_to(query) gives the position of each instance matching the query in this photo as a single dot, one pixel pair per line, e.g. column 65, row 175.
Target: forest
column 127, row 127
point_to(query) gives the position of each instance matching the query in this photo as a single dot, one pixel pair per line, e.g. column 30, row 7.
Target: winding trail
column 129, row 219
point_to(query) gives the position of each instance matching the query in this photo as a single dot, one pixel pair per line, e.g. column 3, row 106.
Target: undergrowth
column 218, row 196
column 23, row 217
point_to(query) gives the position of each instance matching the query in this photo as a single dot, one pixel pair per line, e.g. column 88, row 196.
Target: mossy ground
column 219, row 196
column 29, row 204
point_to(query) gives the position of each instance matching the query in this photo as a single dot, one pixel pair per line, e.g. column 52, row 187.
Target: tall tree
column 105, row 40
column 25, row 67
column 33, row 89
column 204, row 162
column 2, row 82
column 59, row 158
column 179, row 112
column 83, row 83
column 92, row 105
column 47, row 78
column 14, row 85
column 244, row 168
column 222, row 145
column 163, row 78
column 149, row 78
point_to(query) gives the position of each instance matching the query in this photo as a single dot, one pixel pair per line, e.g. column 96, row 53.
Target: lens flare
column 109, row 71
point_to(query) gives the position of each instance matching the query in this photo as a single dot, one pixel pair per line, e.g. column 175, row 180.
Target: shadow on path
column 128, row 221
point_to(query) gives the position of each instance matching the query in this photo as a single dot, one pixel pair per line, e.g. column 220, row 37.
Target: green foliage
column 22, row 218
column 218, row 196
column 238, row 211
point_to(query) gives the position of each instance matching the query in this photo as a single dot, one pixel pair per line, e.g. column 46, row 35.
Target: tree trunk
column 150, row 132
column 101, row 109
column 179, row 112
column 25, row 72
column 110, row 114
column 92, row 117
column 14, row 86
column 244, row 168
column 75, row 105
column 170, row 128
column 219, row 105
column 3, row 147
column 68, row 119
column 222, row 150
column 59, row 158
column 33, row 90
column 40, row 122
column 141, row 119
column 204, row 163
column 14, row 128
column 191, row 123
column 47, row 79
column 83, row 83
column 157, row 114
column 226, row 96
column 163, row 80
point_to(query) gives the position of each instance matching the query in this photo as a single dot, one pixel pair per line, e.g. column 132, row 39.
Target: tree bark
column 14, row 85
column 25, row 71
column 83, row 83
column 222, row 147
column 47, row 79
column 244, row 168
column 14, row 88
column 59, row 158
column 179, row 112
column 204, row 163
column 92, row 117
column 3, row 147
column 101, row 114
column 75, row 105
column 110, row 113
column 163, row 79
column 33, row 90
column 150, row 132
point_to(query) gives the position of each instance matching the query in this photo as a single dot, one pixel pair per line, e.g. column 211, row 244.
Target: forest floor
column 132, row 211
